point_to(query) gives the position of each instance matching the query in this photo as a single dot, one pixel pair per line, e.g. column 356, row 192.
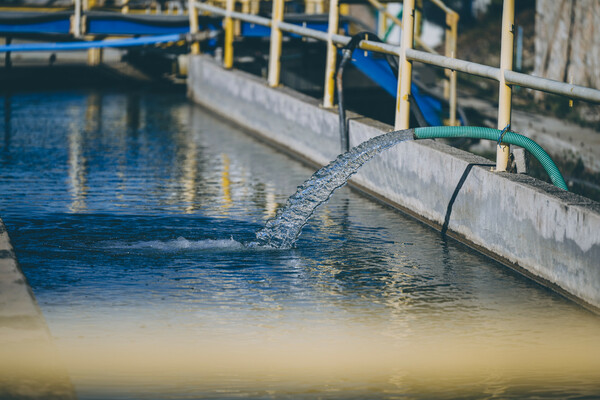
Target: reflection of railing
column 504, row 75
column 77, row 23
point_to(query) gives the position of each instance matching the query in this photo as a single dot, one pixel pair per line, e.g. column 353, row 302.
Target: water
column 128, row 212
column 282, row 231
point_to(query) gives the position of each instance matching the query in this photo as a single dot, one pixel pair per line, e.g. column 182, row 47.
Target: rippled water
column 127, row 212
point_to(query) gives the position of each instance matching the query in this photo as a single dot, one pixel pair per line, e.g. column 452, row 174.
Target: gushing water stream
column 284, row 229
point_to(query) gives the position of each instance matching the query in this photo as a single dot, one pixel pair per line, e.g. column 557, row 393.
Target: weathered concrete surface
column 563, row 140
column 567, row 41
column 548, row 234
column 29, row 365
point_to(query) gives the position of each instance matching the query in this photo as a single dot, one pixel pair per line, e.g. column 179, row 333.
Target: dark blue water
column 127, row 212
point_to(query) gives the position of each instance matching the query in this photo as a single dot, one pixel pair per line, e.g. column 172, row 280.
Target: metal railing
column 450, row 41
column 503, row 75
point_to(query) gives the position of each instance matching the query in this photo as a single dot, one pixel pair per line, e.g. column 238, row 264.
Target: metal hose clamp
column 501, row 135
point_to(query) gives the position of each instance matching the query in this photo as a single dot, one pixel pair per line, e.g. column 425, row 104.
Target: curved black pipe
column 347, row 51
column 392, row 61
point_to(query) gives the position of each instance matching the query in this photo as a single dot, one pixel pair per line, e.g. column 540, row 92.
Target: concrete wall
column 548, row 234
column 29, row 362
column 567, row 41
column 20, row 316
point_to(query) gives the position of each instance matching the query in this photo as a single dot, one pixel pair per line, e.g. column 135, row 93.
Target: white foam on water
column 182, row 243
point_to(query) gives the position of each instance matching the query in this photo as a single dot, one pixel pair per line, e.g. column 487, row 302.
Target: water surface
column 127, row 212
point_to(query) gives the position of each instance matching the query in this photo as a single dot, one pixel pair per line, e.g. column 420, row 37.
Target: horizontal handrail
column 96, row 44
column 303, row 31
column 551, row 86
column 443, row 7
column 253, row 19
column 468, row 67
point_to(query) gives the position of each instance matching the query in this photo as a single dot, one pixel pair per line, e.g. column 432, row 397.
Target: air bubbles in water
column 284, row 229
column 182, row 243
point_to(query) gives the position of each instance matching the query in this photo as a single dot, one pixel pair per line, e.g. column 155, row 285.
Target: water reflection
column 78, row 170
column 231, row 179
column 226, row 184
column 270, row 204
column 133, row 112
column 7, row 122
column 93, row 112
column 188, row 150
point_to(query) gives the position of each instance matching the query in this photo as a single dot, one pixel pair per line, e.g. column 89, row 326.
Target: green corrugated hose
column 509, row 137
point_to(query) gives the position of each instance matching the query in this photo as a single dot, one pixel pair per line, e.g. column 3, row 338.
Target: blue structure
column 114, row 23
column 129, row 42
column 35, row 22
column 378, row 70
column 111, row 23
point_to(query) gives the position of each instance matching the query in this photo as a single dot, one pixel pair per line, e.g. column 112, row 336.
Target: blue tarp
column 92, row 44
column 379, row 71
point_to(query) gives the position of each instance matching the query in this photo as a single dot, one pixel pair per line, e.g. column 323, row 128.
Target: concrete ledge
column 546, row 233
column 20, row 316
column 29, row 362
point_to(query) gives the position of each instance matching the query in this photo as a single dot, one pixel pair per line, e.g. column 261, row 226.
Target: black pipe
column 347, row 51
column 392, row 61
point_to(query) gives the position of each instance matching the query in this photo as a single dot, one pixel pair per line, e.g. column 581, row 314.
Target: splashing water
column 180, row 244
column 284, row 229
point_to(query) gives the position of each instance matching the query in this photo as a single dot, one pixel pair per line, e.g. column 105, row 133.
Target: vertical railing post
column 447, row 53
column 275, row 50
column 194, row 26
column 452, row 20
column 229, row 27
column 418, row 17
column 245, row 6
column 331, row 54
column 345, row 9
column 94, row 56
column 505, row 91
column 309, row 7
column 76, row 28
column 382, row 23
column 320, row 6
column 402, row 120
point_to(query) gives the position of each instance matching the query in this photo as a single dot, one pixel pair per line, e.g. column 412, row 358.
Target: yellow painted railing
column 404, row 80
column 407, row 54
column 450, row 46
column 505, row 91
column 275, row 49
column 503, row 75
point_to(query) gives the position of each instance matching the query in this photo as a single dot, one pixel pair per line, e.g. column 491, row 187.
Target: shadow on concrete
column 459, row 186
